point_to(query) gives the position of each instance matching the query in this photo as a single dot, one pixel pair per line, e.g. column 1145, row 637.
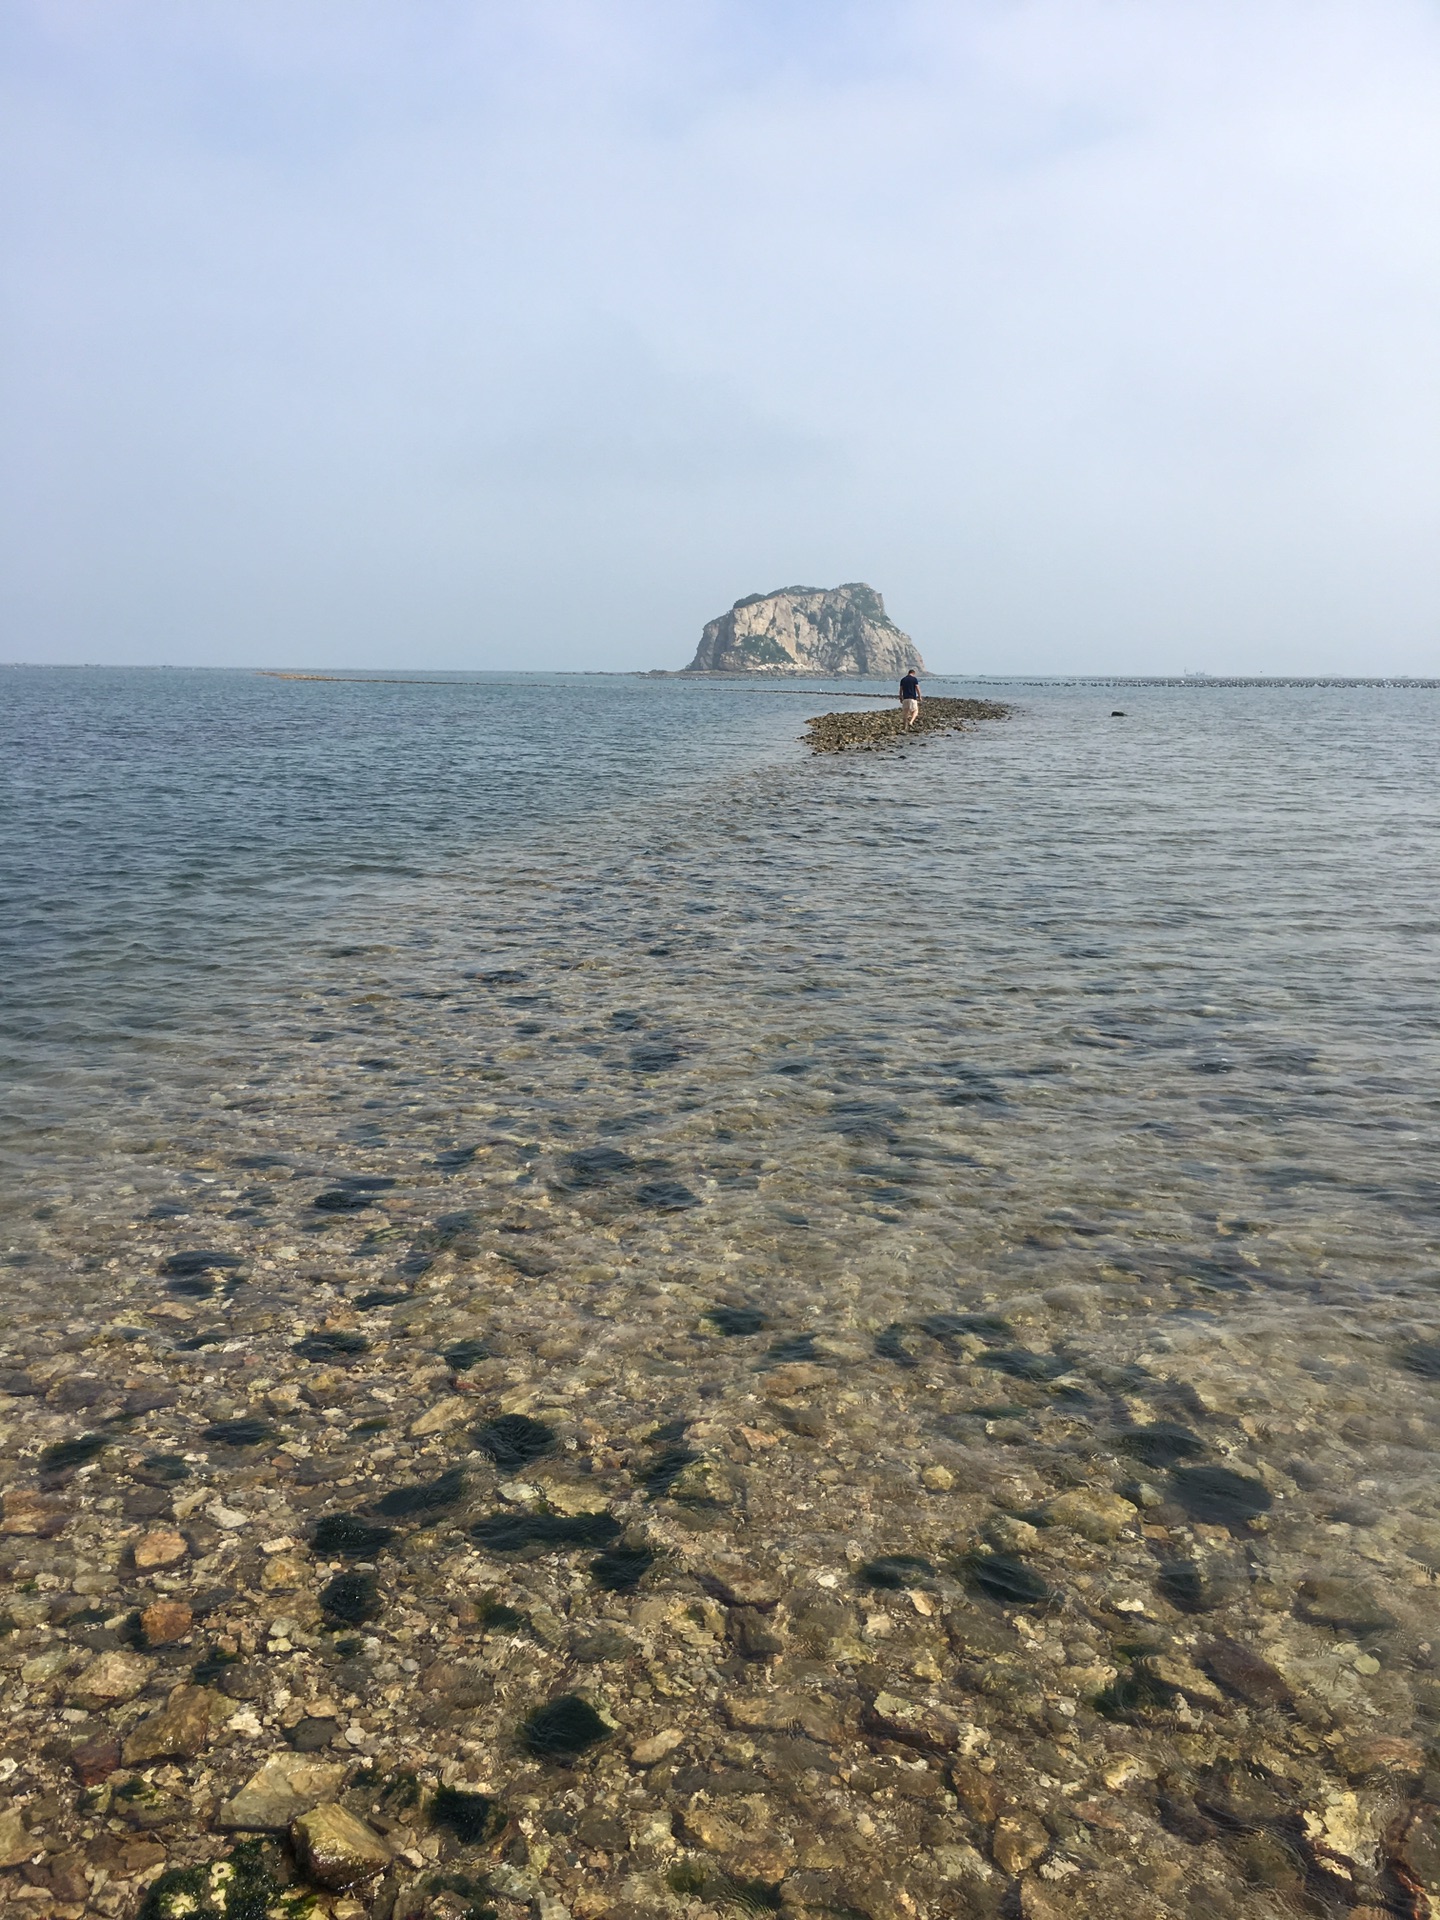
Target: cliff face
column 808, row 630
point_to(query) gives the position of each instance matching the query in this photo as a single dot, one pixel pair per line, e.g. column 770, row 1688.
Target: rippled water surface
column 1075, row 1071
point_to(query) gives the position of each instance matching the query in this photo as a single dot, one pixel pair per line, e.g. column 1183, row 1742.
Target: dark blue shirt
column 909, row 688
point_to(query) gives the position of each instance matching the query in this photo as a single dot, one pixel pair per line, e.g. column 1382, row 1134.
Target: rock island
column 808, row 630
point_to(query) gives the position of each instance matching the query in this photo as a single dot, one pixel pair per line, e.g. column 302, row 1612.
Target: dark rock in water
column 621, row 1569
column 351, row 1599
column 666, row 1195
column 662, row 1473
column 1007, row 1580
column 513, row 1532
column 1161, row 1445
column 563, row 1729
column 655, row 1057
column 331, row 1346
column 341, row 1200
column 514, row 1440
column 238, row 1433
column 738, row 1320
column 200, row 1288
column 1331, row 1601
column 380, row 1297
column 955, row 1326
column 1245, row 1674
column 597, row 1166
column 453, row 1158
column 500, row 977
column 890, row 1345
column 464, row 1354
column 896, row 1571
column 348, row 1537
column 607, row 1644
column 1219, row 1497
column 366, row 1182
column 62, row 1456
column 18, row 1383
column 471, row 1817
column 1423, row 1358
column 313, row 1734
column 1193, row 1589
column 199, row 1260
column 1021, row 1364
column 799, row 1346
column 1139, row 1691
column 429, row 1497
column 1118, row 713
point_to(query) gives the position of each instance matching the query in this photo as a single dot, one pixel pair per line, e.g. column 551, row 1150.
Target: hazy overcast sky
column 1098, row 334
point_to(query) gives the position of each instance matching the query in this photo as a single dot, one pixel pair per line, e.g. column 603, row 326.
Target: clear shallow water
column 1118, row 1036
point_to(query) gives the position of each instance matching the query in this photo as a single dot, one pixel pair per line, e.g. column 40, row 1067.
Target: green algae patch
column 240, row 1887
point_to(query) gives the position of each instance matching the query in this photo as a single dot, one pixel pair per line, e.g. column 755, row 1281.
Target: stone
column 799, row 1377
column 1416, row 1850
column 38, row 1515
column 1173, row 1671
column 1017, row 1842
column 937, row 1479
column 811, row 1714
column 453, row 1411
column 336, row 1849
column 286, row 1786
column 164, row 1622
column 16, row 1845
column 154, row 1552
column 572, row 1497
column 1093, row 1514
column 95, row 1760
column 1339, row 1830
column 645, row 1753
column 739, row 1583
column 109, row 1680
column 808, row 630
column 283, row 1572
column 180, row 1731
column 924, row 1724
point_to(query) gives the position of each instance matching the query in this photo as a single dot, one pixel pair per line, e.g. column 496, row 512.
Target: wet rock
column 288, row 1784
column 154, row 1552
column 810, row 1714
column 597, row 1167
column 314, row 1733
column 1415, row 1851
column 925, row 1724
column 1242, row 1672
column 164, row 1622
column 1331, row 1601
column 30, row 1513
column 109, row 1680
column 1018, row 1841
column 441, row 1417
column 16, row 1842
column 95, row 1759
column 179, row 1732
column 337, row 1849
column 1095, row 1515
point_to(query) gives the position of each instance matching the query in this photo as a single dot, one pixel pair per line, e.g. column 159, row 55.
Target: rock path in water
column 633, row 1504
column 885, row 726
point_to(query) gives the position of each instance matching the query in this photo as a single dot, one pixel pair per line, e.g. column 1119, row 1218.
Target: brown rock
column 1381, row 1753
column 1017, row 1842
column 110, row 1679
column 739, row 1583
column 164, row 1622
column 179, row 1731
column 1331, row 1601
column 976, row 1791
column 37, row 1514
column 918, row 1723
column 799, row 1377
column 810, row 1714
column 1416, row 1849
column 1095, row 1515
column 95, row 1760
column 16, row 1845
column 282, row 1573
column 1242, row 1672
column 153, row 1552
column 336, row 1849
column 288, row 1784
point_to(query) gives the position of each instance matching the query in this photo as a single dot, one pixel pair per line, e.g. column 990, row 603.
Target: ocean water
column 1043, row 1107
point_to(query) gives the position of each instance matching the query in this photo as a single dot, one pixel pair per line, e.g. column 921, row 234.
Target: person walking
column 910, row 699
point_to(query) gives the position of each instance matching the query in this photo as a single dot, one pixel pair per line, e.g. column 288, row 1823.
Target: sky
column 1099, row 335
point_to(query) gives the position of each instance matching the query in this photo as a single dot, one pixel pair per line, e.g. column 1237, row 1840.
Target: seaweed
column 1007, row 1580
column 665, row 1469
column 331, row 1346
column 1160, row 1445
column 513, row 1532
column 428, row 1497
column 351, row 1599
column 198, row 1260
column 464, row 1354
column 62, row 1455
column 894, row 1572
column 1219, row 1497
column 472, row 1817
column 239, row 1433
column 513, row 1440
column 352, row 1538
column 563, row 1729
column 621, row 1569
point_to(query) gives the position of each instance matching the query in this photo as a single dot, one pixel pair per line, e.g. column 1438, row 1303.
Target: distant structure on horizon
column 808, row 630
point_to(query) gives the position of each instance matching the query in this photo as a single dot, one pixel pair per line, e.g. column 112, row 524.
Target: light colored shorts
column 911, row 709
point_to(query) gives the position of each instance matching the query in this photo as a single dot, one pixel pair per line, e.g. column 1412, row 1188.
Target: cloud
column 1097, row 333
